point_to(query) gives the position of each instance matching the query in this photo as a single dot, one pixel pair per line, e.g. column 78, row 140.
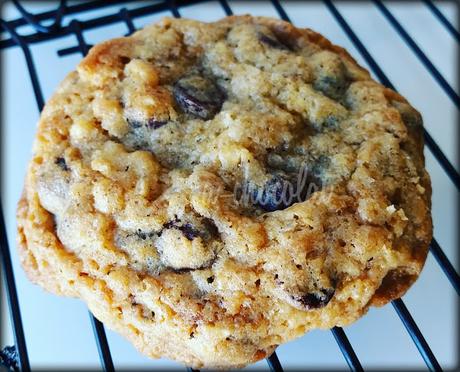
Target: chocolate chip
column 333, row 86
column 209, row 229
column 331, row 76
column 9, row 358
column 62, row 164
column 276, row 194
column 124, row 60
column 198, row 96
column 281, row 191
column 315, row 300
column 409, row 115
column 283, row 162
column 187, row 229
column 172, row 223
column 210, row 279
column 272, row 41
column 151, row 123
column 155, row 124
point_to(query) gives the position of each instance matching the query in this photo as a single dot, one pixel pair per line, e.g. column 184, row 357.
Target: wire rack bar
column 439, row 155
column 32, row 20
column 419, row 53
column 117, row 17
column 173, row 8
column 83, row 47
column 282, row 13
column 29, row 61
column 429, row 141
column 346, row 349
column 274, row 363
column 228, row 11
column 12, row 296
column 446, row 265
column 96, row 22
column 102, row 344
column 80, row 7
column 416, row 335
column 125, row 16
column 438, row 14
column 70, row 50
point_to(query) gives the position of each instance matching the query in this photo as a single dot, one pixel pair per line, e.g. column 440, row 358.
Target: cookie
column 212, row 190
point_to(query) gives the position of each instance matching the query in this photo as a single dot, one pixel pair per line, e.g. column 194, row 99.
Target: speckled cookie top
column 230, row 185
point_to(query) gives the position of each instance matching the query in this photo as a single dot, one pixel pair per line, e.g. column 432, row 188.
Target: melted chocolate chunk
column 277, row 193
column 314, row 300
column 198, row 96
column 62, row 164
column 205, row 266
column 409, row 115
column 332, row 79
column 333, row 86
column 155, row 124
column 272, row 41
column 189, row 231
column 281, row 191
column 204, row 229
column 209, row 230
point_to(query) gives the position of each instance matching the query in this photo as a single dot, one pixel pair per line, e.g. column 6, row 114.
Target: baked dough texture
column 212, row 190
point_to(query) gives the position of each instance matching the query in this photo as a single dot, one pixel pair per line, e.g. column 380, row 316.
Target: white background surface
column 58, row 331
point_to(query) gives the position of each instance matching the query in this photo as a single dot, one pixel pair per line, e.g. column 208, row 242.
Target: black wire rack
column 77, row 28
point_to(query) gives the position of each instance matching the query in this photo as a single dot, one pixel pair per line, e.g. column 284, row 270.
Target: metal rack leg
column 416, row 335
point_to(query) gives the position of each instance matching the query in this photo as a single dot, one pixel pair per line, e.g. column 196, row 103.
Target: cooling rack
column 71, row 22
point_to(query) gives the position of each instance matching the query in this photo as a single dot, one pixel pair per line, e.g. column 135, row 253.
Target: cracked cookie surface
column 214, row 190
